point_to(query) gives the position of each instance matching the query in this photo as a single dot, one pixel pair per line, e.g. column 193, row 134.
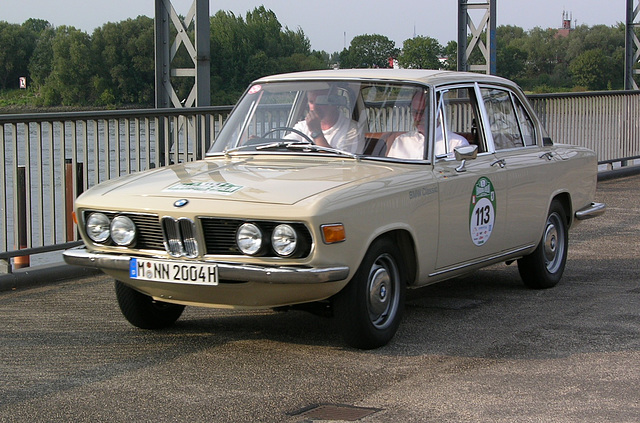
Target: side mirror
column 468, row 152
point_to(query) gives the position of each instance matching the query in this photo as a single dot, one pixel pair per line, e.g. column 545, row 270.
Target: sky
column 331, row 24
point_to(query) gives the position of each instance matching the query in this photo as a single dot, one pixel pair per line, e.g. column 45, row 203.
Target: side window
column 502, row 118
column 526, row 124
column 397, row 119
column 458, row 115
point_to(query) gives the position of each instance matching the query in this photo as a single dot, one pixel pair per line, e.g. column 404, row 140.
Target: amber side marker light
column 74, row 217
column 333, row 233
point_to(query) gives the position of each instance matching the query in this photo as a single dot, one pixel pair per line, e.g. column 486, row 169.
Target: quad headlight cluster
column 260, row 238
column 120, row 230
column 284, row 240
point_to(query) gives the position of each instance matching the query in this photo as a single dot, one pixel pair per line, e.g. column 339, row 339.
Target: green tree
column 450, row 51
column 511, row 57
column 246, row 49
column 71, row 80
column 17, row 44
column 610, row 40
column 41, row 61
column 126, row 67
column 589, row 69
column 229, row 51
column 37, row 26
column 421, row 53
column 368, row 51
column 543, row 51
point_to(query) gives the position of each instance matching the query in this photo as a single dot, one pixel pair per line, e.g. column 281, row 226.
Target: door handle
column 549, row 155
column 501, row 162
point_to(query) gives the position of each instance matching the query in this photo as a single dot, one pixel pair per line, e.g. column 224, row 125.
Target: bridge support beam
column 632, row 47
column 167, row 22
column 486, row 29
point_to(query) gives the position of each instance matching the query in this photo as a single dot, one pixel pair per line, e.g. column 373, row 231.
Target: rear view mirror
column 332, row 100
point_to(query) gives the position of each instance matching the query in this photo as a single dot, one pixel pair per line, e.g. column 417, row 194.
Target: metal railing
column 607, row 122
column 50, row 158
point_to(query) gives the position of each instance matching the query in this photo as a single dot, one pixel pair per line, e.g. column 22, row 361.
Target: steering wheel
column 289, row 129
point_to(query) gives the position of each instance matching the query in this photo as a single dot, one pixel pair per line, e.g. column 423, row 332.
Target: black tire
column 370, row 307
column 544, row 267
column 143, row 311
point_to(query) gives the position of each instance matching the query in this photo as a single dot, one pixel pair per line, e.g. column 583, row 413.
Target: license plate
column 173, row 271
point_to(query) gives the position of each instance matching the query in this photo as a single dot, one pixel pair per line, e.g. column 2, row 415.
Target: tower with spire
column 567, row 27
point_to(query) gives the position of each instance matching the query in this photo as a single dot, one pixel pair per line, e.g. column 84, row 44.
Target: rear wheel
column 544, row 267
column 370, row 307
column 143, row 311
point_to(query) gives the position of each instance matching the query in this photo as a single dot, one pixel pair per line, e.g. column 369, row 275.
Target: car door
column 472, row 195
column 526, row 162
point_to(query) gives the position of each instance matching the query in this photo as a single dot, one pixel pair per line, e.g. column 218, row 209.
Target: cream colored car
column 341, row 188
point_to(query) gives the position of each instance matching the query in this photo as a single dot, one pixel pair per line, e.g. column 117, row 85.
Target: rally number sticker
column 482, row 211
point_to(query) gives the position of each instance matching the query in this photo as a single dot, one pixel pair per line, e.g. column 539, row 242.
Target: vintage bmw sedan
column 343, row 188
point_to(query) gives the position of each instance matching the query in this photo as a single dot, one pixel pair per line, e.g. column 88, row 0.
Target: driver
column 326, row 126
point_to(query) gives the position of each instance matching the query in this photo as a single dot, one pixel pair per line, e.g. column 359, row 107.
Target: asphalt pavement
column 476, row 349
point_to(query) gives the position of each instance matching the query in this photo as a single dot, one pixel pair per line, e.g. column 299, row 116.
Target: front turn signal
column 333, row 233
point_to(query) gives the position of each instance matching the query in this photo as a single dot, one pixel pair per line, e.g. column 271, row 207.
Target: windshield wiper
column 280, row 144
column 292, row 145
column 257, row 146
column 316, row 148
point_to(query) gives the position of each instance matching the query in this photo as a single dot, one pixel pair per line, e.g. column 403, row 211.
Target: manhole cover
column 336, row 412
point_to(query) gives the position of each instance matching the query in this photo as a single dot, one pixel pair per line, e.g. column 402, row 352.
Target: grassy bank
column 18, row 101
column 28, row 101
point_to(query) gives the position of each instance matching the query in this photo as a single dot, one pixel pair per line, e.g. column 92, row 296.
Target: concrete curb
column 43, row 275
column 618, row 173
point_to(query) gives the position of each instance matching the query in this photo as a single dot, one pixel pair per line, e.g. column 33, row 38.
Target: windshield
column 328, row 117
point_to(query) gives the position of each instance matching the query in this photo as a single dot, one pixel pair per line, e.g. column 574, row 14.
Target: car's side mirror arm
column 468, row 152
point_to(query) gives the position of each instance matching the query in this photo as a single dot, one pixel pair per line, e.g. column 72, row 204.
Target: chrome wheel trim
column 554, row 243
column 383, row 291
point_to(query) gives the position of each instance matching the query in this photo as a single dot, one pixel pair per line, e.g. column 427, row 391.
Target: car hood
column 250, row 179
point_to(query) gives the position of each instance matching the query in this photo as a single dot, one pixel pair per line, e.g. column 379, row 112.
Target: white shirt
column 344, row 135
column 410, row 145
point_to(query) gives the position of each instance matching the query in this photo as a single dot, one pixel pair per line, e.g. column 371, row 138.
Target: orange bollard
column 22, row 261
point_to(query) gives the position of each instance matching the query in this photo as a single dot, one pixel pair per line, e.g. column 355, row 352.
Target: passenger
column 411, row 144
column 327, row 126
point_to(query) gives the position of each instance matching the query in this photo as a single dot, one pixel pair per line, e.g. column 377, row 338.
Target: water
column 43, row 158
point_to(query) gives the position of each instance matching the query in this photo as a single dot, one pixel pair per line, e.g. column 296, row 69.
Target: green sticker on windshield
column 482, row 211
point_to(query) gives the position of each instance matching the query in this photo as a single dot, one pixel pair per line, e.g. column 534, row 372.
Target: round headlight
column 123, row 230
column 249, row 238
column 284, row 240
column 98, row 227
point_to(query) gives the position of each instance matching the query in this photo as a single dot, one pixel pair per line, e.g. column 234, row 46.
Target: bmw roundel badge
column 181, row 203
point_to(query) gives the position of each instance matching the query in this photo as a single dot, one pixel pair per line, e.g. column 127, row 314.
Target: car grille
column 178, row 236
column 149, row 230
column 220, row 234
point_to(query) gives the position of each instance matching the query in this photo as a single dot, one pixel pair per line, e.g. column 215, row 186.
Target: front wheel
column 544, row 267
column 143, row 311
column 369, row 308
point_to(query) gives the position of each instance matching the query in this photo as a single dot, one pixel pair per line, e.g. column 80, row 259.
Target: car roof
column 422, row 76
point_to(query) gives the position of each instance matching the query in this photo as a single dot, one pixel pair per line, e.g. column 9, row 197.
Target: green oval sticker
column 482, row 211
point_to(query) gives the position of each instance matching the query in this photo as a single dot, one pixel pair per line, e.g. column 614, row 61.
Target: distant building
column 566, row 25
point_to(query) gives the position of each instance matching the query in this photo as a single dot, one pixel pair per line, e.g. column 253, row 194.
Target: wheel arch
column 406, row 244
column 564, row 198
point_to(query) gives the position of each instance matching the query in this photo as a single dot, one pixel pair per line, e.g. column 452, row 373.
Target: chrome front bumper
column 229, row 271
column 592, row 210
